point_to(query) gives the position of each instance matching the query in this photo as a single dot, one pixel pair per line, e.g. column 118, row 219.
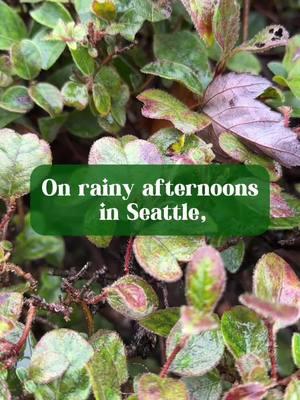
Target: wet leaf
column 75, row 95
column 205, row 279
column 293, row 390
column 48, row 97
column 232, row 146
column 159, row 256
column 26, row 59
column 101, row 99
column 16, row 99
column 226, row 24
column 108, row 367
column 11, row 304
column 206, row 387
column 49, row 14
column 245, row 333
column 249, row 391
column 231, row 93
column 161, row 322
column 132, row 297
column 202, row 14
column 153, row 387
column 161, row 105
column 12, row 27
column 19, row 155
column 109, row 150
column 271, row 36
column 201, row 353
column 296, row 349
column 71, row 351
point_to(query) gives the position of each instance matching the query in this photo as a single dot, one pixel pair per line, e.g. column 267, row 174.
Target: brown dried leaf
column 230, row 101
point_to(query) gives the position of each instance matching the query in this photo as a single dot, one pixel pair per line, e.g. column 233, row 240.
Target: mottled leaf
column 232, row 146
column 161, row 105
column 26, row 59
column 101, row 99
column 249, row 391
column 252, row 369
column 296, row 349
column 200, row 354
column 205, row 279
column 279, row 206
column 109, row 150
column 293, row 390
column 230, row 101
column 104, row 9
column 11, row 304
column 233, row 256
column 132, row 297
column 153, row 387
column 206, row 387
column 48, row 97
column 108, row 367
column 84, row 62
column 127, row 26
column 19, row 155
column 71, row 351
column 12, row 27
column 75, row 95
column 50, row 50
column 194, row 322
column 245, row 333
column 271, row 36
column 160, row 255
column 49, row 13
column 226, row 24
column 16, row 99
column 202, row 14
column 162, row 321
column 153, row 10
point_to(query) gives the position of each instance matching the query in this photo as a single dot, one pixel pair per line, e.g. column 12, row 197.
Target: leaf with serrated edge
column 205, row 279
column 153, row 387
column 159, row 256
column 230, row 102
column 161, row 105
column 19, row 155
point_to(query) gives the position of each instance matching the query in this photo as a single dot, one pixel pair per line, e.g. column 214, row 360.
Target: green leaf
column 109, row 150
column 292, row 391
column 202, row 14
column 26, row 59
column 31, row 246
column 292, row 48
column 270, row 37
column 132, row 297
column 49, row 13
column 206, row 387
column 6, row 327
column 252, row 369
column 50, row 50
column 161, row 105
column 226, row 25
column 245, row 333
column 108, row 367
column 205, row 279
column 152, row 11
column 100, row 241
column 11, row 304
column 19, row 155
column 195, row 322
column 12, row 27
column 159, row 256
column 101, row 99
column 153, row 387
column 75, row 95
column 243, row 62
column 162, row 321
column 181, row 57
column 127, row 26
column 232, row 146
column 48, row 97
column 233, row 256
column 83, row 124
column 201, row 353
column 105, row 9
column 6, row 117
column 296, row 349
column 16, row 99
column 70, row 33
column 84, row 62
column 71, row 351
column 50, row 127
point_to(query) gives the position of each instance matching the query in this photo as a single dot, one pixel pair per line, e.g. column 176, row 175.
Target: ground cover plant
column 141, row 82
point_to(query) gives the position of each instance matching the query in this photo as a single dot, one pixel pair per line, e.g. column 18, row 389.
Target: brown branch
column 246, row 19
column 272, row 349
column 57, row 308
column 29, row 320
column 171, row 358
column 10, row 210
column 128, row 256
column 8, row 267
column 89, row 318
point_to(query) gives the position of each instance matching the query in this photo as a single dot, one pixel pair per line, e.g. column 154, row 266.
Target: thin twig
column 128, row 256
column 272, row 349
column 246, row 19
column 10, row 210
column 8, row 267
column 171, row 358
column 29, row 320
column 89, row 318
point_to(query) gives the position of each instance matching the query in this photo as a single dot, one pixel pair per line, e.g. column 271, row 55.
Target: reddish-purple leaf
column 282, row 313
column 230, row 101
column 250, row 391
column 194, row 322
column 279, row 206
